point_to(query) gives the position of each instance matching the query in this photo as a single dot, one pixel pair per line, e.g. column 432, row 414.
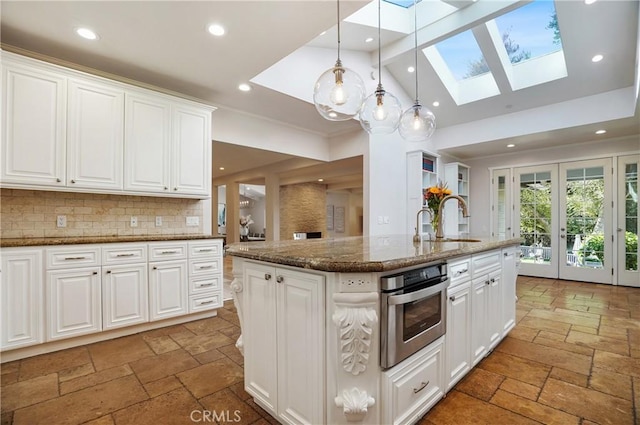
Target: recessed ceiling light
column 86, row 33
column 323, row 33
column 368, row 40
column 597, row 58
column 244, row 87
column 221, row 168
column 216, row 30
column 601, row 131
column 436, row 103
column 589, row 1
column 320, row 180
column 411, row 69
column 510, row 145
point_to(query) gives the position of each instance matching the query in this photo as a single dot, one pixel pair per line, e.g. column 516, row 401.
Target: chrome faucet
column 465, row 212
column 416, row 237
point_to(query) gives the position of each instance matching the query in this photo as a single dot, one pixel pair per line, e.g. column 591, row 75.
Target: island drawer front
column 73, row 256
column 416, row 386
column 167, row 251
column 205, row 302
column 209, row 248
column 204, row 284
column 124, row 254
column 459, row 271
column 205, row 266
column 485, row 262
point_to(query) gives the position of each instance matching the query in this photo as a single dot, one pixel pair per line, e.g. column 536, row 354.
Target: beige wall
column 32, row 214
column 302, row 209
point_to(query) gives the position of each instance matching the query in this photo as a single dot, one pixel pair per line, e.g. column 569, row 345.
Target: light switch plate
column 134, row 221
column 193, row 221
column 158, row 221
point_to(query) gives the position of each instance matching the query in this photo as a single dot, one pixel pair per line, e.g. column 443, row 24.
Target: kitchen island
column 311, row 324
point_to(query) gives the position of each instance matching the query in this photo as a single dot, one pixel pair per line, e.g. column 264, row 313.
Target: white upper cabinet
column 95, row 136
column 191, row 166
column 147, row 144
column 78, row 132
column 34, row 126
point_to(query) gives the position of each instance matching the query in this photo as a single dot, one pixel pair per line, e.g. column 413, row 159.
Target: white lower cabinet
column 21, row 298
column 124, row 295
column 283, row 330
column 168, row 289
column 414, row 386
column 458, row 339
column 74, row 306
column 509, row 275
column 205, row 275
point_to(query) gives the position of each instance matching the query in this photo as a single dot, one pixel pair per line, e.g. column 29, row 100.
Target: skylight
column 530, row 31
column 402, row 3
column 462, row 55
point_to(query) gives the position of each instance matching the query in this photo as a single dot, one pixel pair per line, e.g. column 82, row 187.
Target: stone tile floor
column 573, row 358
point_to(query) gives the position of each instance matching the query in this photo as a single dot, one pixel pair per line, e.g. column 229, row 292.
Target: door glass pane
column 585, row 222
column 501, row 205
column 535, row 217
column 631, row 229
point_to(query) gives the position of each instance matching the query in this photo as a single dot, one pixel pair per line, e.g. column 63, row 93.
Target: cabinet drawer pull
column 175, row 188
column 75, row 258
column 155, row 268
column 280, row 279
column 452, row 298
column 267, row 276
column 94, row 273
column 58, row 180
column 73, row 181
column 463, row 271
column 166, row 188
column 202, row 285
column 422, row 386
column 488, row 282
column 108, row 271
column 206, row 302
column 205, row 267
column 125, row 255
column 204, row 250
column 493, row 280
column 169, row 252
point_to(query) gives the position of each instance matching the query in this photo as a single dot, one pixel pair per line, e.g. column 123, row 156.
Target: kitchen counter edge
column 83, row 240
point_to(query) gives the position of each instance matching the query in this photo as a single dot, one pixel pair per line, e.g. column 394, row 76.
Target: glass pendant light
column 380, row 112
column 417, row 123
column 339, row 91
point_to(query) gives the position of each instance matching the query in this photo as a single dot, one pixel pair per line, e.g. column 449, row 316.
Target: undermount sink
column 457, row 240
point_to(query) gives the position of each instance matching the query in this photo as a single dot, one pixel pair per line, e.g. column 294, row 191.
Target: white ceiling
column 165, row 44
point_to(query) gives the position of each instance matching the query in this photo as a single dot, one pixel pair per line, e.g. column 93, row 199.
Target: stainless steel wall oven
column 412, row 311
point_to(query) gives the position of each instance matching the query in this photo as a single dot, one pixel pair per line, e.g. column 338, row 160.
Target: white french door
column 586, row 221
column 628, row 227
column 564, row 213
column 535, row 219
column 501, row 207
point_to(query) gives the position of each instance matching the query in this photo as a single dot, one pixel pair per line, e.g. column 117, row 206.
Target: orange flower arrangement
column 433, row 195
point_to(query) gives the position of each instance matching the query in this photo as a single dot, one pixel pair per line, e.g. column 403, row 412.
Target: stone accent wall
column 32, row 214
column 302, row 209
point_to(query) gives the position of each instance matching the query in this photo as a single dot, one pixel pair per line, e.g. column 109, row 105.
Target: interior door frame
column 495, row 224
column 587, row 274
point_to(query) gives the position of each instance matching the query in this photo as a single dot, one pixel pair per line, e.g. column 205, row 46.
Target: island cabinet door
column 300, row 320
column 509, row 276
column 458, row 341
column 259, row 335
column 479, row 338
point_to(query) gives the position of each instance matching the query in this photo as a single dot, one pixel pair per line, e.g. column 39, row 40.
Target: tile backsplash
column 33, row 214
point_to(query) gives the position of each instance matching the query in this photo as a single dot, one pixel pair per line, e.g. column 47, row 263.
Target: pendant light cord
column 415, row 39
column 379, row 48
column 338, row 13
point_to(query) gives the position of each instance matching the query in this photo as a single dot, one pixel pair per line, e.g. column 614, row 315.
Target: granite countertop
column 7, row 243
column 362, row 254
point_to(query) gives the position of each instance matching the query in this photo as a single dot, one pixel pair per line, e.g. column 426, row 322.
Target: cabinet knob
column 280, row 279
column 267, row 276
column 108, row 271
column 95, row 272
column 452, row 298
column 487, row 282
column 58, row 180
column 493, row 280
column 73, row 181
column 166, row 188
column 175, row 188
column 155, row 268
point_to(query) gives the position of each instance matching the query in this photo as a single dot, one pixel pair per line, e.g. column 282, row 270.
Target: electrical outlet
column 134, row 221
column 158, row 221
column 61, row 221
column 193, row 221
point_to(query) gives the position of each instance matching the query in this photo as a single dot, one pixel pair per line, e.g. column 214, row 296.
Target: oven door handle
column 415, row 296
